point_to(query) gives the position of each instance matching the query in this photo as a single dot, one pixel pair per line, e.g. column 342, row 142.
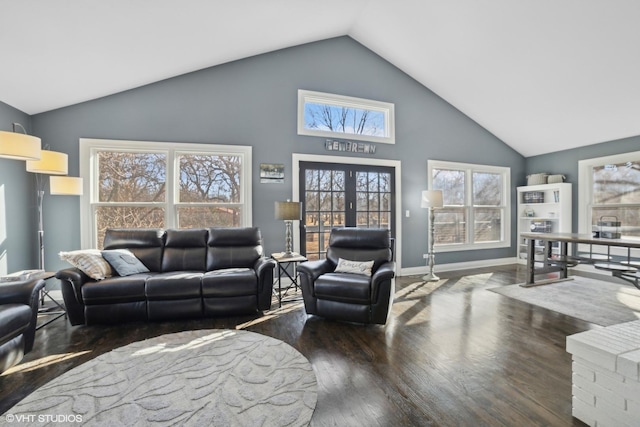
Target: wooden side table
column 284, row 263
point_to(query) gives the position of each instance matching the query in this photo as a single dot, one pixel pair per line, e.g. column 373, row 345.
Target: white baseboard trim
column 415, row 271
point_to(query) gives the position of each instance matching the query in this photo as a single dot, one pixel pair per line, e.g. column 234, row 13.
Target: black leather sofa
column 346, row 296
column 194, row 273
column 18, row 317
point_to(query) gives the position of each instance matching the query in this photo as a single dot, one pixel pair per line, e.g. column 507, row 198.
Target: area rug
column 199, row 378
column 595, row 301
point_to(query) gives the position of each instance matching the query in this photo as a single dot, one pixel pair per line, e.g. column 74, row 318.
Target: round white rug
column 199, row 378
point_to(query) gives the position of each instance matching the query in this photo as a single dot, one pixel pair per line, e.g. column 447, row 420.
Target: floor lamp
column 431, row 199
column 288, row 212
column 50, row 163
column 18, row 146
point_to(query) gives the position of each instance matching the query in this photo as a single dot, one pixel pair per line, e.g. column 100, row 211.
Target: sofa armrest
column 21, row 292
column 75, row 277
column 263, row 264
column 381, row 278
column 24, row 292
column 311, row 270
column 264, row 271
column 71, row 282
column 308, row 272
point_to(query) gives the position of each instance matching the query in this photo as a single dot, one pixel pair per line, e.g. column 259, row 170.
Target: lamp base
column 430, row 277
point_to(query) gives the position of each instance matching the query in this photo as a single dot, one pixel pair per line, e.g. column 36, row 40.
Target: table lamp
column 288, row 212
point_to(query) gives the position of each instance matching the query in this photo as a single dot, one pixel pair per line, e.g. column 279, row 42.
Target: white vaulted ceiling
column 541, row 75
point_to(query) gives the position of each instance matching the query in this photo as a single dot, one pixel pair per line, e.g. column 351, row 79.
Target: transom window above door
column 337, row 116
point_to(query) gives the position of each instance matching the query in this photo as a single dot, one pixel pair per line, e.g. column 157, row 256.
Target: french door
column 343, row 195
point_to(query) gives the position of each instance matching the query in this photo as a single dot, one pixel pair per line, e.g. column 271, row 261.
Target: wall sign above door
column 353, row 147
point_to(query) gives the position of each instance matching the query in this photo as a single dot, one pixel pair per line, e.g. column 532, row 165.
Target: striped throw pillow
column 89, row 261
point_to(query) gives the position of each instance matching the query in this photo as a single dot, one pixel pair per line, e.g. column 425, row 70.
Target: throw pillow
column 354, row 267
column 124, row 262
column 89, row 261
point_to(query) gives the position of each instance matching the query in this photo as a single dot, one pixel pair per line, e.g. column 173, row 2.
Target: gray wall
column 566, row 163
column 254, row 102
column 18, row 238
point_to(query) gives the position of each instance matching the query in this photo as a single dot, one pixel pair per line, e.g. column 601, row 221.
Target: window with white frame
column 609, row 190
column 338, row 116
column 476, row 213
column 141, row 184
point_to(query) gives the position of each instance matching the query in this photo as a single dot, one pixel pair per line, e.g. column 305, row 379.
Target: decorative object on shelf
column 608, row 229
column 533, row 197
column 431, row 199
column 555, row 179
column 529, row 213
column 288, row 212
column 537, row 178
column 541, row 226
column 19, row 146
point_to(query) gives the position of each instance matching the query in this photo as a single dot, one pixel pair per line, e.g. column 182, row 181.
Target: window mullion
column 170, row 214
column 469, row 202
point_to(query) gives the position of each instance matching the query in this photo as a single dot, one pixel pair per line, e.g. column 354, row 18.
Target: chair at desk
column 622, row 271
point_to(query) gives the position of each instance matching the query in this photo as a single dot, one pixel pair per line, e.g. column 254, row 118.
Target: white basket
column 537, row 178
column 555, row 179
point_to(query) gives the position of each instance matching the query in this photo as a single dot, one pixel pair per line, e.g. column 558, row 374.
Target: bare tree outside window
column 132, row 191
column 130, row 178
column 347, row 120
column 213, row 180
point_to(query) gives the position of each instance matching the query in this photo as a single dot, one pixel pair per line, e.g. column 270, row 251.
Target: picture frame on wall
column 271, row 173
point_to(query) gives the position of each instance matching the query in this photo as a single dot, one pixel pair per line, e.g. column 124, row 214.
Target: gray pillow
column 124, row 262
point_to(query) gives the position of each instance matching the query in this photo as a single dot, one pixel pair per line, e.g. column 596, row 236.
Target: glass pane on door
column 373, row 195
column 324, row 196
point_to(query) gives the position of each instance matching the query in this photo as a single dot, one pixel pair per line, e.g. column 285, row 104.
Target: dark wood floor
column 452, row 354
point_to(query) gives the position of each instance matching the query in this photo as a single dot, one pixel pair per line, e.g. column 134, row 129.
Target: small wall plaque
column 353, row 147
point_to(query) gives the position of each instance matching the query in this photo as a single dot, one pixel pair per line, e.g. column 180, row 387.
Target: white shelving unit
column 544, row 208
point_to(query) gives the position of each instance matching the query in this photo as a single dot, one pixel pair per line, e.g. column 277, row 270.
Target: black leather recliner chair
column 18, row 317
column 347, row 296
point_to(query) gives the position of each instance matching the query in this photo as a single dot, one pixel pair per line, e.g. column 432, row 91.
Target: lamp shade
column 431, row 199
column 288, row 211
column 18, row 146
column 65, row 186
column 51, row 162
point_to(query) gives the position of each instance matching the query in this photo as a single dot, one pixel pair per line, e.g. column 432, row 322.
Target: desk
column 284, row 263
column 564, row 239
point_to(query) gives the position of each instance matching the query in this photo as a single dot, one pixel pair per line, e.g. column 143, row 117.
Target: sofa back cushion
column 360, row 244
column 185, row 250
column 233, row 247
column 146, row 244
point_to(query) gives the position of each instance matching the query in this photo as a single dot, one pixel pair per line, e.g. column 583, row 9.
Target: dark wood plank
column 452, row 354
